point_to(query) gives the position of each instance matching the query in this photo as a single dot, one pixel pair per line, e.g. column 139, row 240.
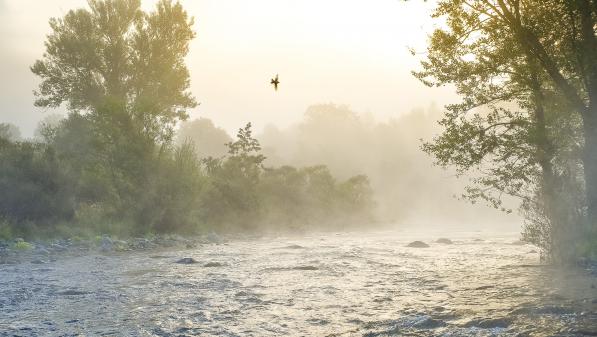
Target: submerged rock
column 305, row 268
column 489, row 323
column 187, row 260
column 418, row 244
column 72, row 292
column 428, row 323
column 213, row 264
column 444, row 241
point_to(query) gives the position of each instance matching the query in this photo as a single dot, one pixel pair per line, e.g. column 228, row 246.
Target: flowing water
column 350, row 284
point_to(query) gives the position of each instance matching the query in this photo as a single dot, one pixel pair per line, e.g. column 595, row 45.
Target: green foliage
column 40, row 191
column 311, row 197
column 242, row 193
column 23, row 245
column 69, row 185
column 524, row 72
column 123, row 66
column 6, row 232
column 9, row 132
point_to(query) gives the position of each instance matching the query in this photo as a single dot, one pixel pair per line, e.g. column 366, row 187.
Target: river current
column 333, row 284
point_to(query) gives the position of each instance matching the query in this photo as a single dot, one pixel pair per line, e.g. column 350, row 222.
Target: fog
column 411, row 192
column 322, row 55
column 320, row 50
column 298, row 168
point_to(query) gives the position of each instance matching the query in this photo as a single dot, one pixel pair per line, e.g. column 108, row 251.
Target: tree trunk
column 590, row 167
column 545, row 155
column 589, row 70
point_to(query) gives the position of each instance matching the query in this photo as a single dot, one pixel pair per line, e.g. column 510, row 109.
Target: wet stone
column 489, row 323
column 305, row 268
column 72, row 292
column 187, row 260
column 429, row 323
column 418, row 244
column 106, row 244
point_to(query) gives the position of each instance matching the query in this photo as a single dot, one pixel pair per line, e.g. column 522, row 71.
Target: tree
column 10, row 132
column 120, row 65
column 232, row 197
column 528, row 64
column 208, row 140
column 36, row 191
column 47, row 126
column 122, row 75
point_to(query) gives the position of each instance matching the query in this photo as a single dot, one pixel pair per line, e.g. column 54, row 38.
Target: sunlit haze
column 352, row 52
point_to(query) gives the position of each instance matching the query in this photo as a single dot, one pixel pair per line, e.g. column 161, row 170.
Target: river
column 335, row 284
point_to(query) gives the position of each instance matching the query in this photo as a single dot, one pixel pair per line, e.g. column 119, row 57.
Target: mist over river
column 332, row 284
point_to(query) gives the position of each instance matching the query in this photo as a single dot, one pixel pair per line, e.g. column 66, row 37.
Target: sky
column 353, row 52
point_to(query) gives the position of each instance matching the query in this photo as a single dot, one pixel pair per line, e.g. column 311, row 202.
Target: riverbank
column 39, row 252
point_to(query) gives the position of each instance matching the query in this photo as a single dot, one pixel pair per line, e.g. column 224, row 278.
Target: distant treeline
column 112, row 165
column 73, row 182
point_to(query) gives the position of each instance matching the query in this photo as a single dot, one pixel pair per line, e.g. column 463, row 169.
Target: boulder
column 187, row 260
column 418, row 244
column 106, row 244
column 445, row 241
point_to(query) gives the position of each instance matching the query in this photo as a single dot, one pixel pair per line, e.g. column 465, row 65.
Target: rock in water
column 106, row 245
column 72, row 292
column 428, row 323
column 418, row 244
column 187, row 260
column 444, row 241
column 305, row 268
column 489, row 323
column 213, row 264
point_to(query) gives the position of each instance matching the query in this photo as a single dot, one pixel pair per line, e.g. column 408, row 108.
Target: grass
column 23, row 245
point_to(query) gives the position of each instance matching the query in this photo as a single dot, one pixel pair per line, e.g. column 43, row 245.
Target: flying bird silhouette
column 275, row 82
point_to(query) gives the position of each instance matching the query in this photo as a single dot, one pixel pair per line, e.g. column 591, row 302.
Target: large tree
column 121, row 73
column 120, row 65
column 528, row 64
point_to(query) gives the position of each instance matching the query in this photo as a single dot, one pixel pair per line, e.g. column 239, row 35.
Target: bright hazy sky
column 352, row 52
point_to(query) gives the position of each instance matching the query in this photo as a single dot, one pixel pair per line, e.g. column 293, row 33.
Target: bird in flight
column 275, row 82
